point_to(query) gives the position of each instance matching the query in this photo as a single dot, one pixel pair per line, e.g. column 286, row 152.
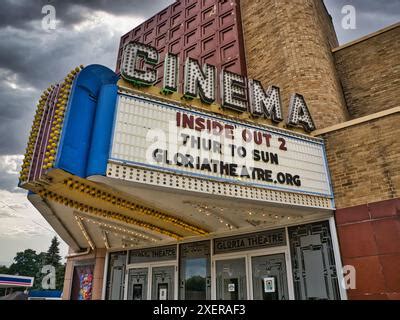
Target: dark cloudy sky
column 86, row 32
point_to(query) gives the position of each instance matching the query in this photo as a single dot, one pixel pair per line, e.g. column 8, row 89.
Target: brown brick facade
column 364, row 161
column 289, row 43
column 370, row 72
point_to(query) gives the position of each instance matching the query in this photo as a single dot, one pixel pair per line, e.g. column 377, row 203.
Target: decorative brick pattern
column 370, row 73
column 288, row 43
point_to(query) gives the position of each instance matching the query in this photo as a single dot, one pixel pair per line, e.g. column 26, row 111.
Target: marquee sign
column 152, row 134
column 237, row 93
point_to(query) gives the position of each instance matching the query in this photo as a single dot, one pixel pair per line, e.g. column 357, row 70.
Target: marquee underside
column 105, row 212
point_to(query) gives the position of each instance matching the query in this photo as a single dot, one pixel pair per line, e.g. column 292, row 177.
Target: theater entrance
column 151, row 282
column 252, row 275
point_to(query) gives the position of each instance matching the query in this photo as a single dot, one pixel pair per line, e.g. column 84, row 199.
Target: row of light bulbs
column 207, row 211
column 33, row 136
column 107, row 229
column 125, row 204
column 105, row 213
column 56, row 125
column 117, row 229
column 105, row 239
column 127, row 243
column 84, row 232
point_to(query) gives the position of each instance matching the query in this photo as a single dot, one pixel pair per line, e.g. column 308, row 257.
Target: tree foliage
column 53, row 254
column 4, row 270
column 26, row 263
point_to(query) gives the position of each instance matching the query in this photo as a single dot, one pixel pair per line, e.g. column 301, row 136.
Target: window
column 194, row 274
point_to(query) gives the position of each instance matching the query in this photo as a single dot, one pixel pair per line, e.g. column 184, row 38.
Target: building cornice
column 369, row 36
column 357, row 121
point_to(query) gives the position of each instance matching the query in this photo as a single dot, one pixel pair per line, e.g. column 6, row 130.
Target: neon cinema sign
column 237, row 92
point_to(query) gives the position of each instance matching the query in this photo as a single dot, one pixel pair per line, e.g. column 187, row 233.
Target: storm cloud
column 20, row 13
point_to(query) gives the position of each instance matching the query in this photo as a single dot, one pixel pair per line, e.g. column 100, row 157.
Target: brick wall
column 370, row 72
column 364, row 161
column 288, row 43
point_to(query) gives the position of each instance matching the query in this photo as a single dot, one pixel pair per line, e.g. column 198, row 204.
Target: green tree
column 4, row 270
column 53, row 254
column 26, row 263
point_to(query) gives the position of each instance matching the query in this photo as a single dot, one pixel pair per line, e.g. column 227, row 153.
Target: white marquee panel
column 137, row 118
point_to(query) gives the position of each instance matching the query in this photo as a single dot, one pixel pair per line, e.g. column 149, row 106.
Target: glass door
column 137, row 283
column 269, row 277
column 195, row 271
column 231, row 279
column 163, row 283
